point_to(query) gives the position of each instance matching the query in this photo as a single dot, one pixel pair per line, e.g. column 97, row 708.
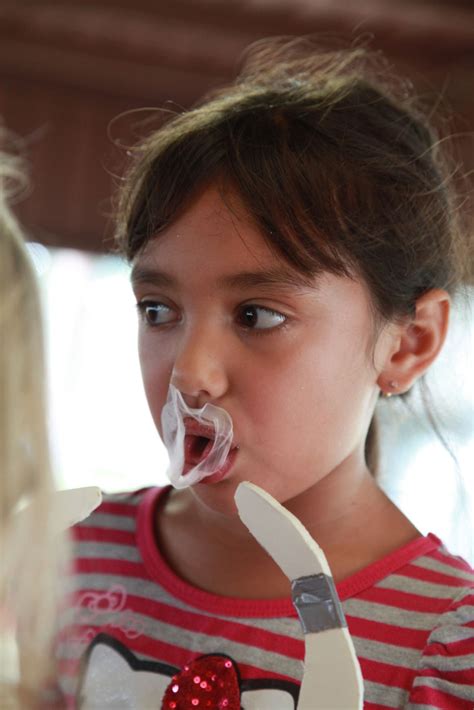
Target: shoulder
column 445, row 676
column 434, row 574
column 444, row 562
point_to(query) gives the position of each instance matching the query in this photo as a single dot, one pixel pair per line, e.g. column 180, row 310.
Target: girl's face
column 227, row 322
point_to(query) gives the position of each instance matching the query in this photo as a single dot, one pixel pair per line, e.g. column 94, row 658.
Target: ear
column 416, row 342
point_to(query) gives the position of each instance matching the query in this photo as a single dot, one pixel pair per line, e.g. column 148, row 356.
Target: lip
column 218, row 475
column 194, row 428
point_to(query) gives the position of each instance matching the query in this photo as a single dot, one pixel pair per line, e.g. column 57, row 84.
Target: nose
column 199, row 370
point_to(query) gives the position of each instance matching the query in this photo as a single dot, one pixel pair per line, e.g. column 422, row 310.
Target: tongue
column 196, row 448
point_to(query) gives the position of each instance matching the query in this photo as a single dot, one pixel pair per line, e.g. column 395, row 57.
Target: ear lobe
column 420, row 340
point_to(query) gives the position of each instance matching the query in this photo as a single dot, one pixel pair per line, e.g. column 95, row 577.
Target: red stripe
column 423, row 695
column 466, row 600
column 428, row 575
column 405, row 600
column 68, row 666
column 387, row 633
column 253, row 673
column 386, row 673
column 459, row 648
column 117, row 508
column 86, row 533
column 102, row 566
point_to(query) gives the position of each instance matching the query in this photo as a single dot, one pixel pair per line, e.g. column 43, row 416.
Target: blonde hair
column 30, row 550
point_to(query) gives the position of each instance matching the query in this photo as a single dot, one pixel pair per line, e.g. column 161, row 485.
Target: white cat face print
column 114, row 678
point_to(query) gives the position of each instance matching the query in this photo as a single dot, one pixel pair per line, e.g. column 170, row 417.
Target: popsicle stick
column 75, row 504
column 68, row 507
column 332, row 679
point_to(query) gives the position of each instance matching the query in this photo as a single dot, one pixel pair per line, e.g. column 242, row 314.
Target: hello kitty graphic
column 113, row 677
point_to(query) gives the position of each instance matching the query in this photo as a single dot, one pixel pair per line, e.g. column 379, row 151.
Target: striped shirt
column 134, row 624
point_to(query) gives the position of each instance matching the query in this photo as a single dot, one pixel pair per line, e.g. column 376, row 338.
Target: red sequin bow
column 208, row 683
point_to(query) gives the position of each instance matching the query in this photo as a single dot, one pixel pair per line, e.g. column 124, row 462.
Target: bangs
column 284, row 171
column 335, row 173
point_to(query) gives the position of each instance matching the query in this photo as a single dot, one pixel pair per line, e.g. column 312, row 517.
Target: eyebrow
column 282, row 278
column 272, row 277
column 142, row 274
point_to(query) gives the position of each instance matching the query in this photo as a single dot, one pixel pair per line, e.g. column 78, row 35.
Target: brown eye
column 156, row 313
column 259, row 318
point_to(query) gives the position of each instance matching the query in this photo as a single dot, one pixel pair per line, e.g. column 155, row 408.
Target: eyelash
column 262, row 331
column 142, row 309
column 143, row 305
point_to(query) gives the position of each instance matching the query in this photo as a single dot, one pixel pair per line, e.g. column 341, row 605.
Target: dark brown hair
column 331, row 158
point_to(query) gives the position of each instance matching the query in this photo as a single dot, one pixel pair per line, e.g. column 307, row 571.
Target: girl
column 29, row 589
column 295, row 250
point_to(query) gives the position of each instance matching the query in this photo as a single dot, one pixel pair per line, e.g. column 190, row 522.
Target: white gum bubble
column 173, row 417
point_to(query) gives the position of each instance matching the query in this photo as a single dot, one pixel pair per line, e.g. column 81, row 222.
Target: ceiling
column 69, row 69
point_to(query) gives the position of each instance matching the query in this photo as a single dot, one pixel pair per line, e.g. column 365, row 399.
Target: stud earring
column 393, row 386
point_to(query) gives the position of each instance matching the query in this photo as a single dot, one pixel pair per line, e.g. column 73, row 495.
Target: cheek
column 156, row 372
column 314, row 395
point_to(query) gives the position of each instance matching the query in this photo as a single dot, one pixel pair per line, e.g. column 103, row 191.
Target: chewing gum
column 173, row 417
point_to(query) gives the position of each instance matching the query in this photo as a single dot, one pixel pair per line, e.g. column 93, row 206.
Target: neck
column 346, row 513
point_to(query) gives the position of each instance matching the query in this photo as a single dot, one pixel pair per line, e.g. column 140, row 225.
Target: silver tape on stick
column 317, row 603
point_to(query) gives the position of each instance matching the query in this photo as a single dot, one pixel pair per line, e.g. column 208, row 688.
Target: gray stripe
column 69, row 650
column 454, row 626
column 416, row 586
column 385, row 695
column 107, row 520
column 449, row 663
column 288, row 626
column 108, row 550
column 452, row 634
column 442, row 568
column 390, row 615
column 386, row 653
column 193, row 641
column 69, row 684
column 458, row 690
column 127, row 497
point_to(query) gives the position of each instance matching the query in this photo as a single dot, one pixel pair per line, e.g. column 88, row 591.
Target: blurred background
column 72, row 75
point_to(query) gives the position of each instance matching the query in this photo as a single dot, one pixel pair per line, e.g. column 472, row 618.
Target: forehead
column 215, row 225
column 216, row 243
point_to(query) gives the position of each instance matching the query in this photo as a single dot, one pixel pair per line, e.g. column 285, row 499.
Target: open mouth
column 199, row 441
column 196, row 448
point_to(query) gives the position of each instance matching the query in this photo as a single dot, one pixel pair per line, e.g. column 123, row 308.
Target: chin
column 218, row 497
